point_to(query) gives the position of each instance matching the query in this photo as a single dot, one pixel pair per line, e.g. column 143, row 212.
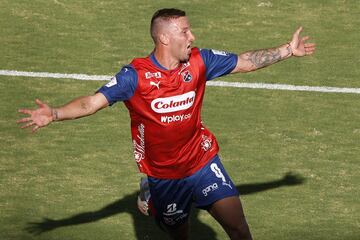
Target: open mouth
column 188, row 48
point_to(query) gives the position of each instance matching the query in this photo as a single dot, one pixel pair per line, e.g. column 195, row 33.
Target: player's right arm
column 120, row 88
column 77, row 108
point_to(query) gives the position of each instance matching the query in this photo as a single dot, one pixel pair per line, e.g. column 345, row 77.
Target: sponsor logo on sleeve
column 112, row 82
column 221, row 53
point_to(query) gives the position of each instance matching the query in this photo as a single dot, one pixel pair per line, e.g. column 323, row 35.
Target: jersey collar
column 155, row 61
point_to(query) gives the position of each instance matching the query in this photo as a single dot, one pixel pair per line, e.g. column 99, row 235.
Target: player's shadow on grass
column 145, row 227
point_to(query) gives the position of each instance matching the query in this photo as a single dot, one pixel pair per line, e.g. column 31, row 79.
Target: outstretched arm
column 253, row 60
column 77, row 108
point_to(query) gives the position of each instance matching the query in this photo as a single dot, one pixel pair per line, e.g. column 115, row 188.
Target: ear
column 164, row 39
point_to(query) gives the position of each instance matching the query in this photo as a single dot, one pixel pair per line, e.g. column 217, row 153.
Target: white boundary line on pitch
column 210, row 83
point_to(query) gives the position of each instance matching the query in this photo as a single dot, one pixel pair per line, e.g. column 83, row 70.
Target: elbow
column 95, row 102
column 244, row 69
column 87, row 106
column 244, row 64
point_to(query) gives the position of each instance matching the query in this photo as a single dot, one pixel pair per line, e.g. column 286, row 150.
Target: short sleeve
column 122, row 86
column 218, row 63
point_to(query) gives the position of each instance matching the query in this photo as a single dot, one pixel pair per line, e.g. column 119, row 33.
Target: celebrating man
column 164, row 93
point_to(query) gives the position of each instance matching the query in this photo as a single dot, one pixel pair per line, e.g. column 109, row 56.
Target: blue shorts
column 172, row 199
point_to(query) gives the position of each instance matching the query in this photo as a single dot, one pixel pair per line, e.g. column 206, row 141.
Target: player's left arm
column 253, row 60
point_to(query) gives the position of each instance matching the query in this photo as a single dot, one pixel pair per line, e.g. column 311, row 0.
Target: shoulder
column 122, row 86
column 212, row 53
column 128, row 72
column 218, row 63
column 139, row 63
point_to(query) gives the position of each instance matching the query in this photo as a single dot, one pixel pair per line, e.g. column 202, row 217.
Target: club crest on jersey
column 186, row 75
column 150, row 75
column 206, row 143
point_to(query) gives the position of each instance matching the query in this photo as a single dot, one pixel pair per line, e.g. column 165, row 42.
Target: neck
column 165, row 59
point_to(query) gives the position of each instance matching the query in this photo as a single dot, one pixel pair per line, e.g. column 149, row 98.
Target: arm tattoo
column 263, row 58
column 83, row 105
column 289, row 49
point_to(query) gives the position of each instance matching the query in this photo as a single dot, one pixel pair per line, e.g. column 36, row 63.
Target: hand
column 298, row 45
column 38, row 118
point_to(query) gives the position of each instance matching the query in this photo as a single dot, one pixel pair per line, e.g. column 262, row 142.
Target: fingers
column 39, row 103
column 25, row 111
column 28, row 125
column 27, row 120
column 23, row 120
column 309, row 52
column 35, row 129
column 298, row 31
column 299, row 45
column 296, row 38
column 310, row 45
column 304, row 39
column 35, row 118
column 309, row 48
